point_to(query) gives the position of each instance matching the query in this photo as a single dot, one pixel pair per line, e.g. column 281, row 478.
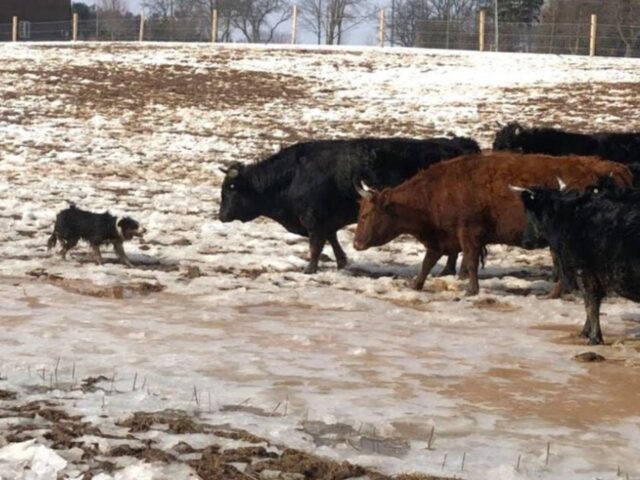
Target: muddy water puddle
column 368, row 376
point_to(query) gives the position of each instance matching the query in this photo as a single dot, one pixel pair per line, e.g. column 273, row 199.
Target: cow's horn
column 520, row 190
column 224, row 170
column 364, row 191
column 561, row 185
column 366, row 188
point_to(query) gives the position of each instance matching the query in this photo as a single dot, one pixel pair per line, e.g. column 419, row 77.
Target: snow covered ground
column 218, row 320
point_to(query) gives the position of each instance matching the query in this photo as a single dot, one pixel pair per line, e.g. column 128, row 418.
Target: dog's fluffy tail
column 53, row 239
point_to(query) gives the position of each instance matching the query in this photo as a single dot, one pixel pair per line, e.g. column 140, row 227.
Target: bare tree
column 331, row 19
column 618, row 25
column 627, row 22
column 226, row 12
column 114, row 6
column 403, row 23
column 112, row 16
column 258, row 20
column 313, row 17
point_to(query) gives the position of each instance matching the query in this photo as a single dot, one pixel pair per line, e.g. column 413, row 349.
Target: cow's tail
column 53, row 239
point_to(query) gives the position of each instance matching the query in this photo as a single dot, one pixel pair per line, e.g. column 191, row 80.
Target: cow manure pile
column 589, row 357
column 252, row 457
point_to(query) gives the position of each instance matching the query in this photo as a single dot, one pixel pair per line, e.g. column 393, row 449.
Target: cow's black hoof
column 416, row 285
column 311, row 269
column 596, row 341
column 471, row 292
column 342, row 262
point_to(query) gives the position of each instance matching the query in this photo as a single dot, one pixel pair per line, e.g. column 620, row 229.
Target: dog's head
column 128, row 228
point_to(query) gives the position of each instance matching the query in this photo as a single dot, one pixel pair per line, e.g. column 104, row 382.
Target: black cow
column 595, row 236
column 617, row 147
column 309, row 187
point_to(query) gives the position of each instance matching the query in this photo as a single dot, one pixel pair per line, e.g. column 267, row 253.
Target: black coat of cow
column 595, row 236
column 617, row 147
column 309, row 187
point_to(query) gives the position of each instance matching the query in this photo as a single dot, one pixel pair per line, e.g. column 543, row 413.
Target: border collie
column 73, row 224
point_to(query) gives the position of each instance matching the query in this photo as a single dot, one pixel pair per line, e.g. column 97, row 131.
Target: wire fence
column 472, row 33
column 550, row 38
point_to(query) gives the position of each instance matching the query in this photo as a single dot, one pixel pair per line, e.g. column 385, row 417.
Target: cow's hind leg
column 593, row 295
column 471, row 250
column 316, row 244
column 430, row 259
column 450, row 267
column 341, row 257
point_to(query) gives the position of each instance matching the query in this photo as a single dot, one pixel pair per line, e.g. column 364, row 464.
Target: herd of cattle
column 538, row 187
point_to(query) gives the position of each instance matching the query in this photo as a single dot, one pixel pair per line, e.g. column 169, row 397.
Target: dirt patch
column 147, row 454
column 107, row 87
column 495, row 305
column 85, row 287
column 8, row 395
column 50, row 424
column 238, row 435
column 309, row 466
column 175, row 421
column 89, row 383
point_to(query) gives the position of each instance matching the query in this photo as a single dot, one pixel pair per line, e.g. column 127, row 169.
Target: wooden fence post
column 592, row 36
column 14, row 30
column 294, row 25
column 74, row 34
column 141, row 33
column 381, row 39
column 214, row 26
column 481, row 27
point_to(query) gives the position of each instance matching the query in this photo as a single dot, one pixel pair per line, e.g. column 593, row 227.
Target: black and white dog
column 73, row 224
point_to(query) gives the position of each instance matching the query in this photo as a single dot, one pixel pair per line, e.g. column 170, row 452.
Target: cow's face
column 377, row 223
column 239, row 198
column 543, row 208
column 540, row 209
column 129, row 228
column 533, row 235
column 508, row 137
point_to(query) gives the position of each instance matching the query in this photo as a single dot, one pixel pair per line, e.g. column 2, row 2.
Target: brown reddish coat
column 464, row 204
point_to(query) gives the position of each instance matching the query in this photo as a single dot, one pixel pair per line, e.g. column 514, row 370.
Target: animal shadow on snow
column 139, row 261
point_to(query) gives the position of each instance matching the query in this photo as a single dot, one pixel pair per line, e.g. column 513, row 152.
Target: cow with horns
column 595, row 236
column 308, row 187
column 464, row 204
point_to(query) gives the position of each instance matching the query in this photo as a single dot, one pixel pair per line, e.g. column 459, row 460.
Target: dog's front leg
column 96, row 254
column 117, row 246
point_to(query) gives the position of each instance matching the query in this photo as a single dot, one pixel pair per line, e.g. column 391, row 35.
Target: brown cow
column 464, row 204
